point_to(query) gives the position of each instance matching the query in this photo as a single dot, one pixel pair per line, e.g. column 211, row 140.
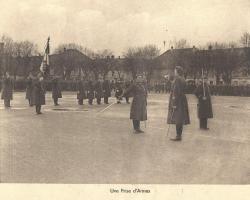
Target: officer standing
column 138, row 110
column 204, row 105
column 39, row 94
column 90, row 92
column 118, row 92
column 106, row 91
column 81, row 94
column 178, row 113
column 98, row 92
column 29, row 88
column 7, row 90
column 56, row 91
column 126, row 86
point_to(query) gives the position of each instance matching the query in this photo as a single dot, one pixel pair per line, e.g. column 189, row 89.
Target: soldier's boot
column 177, row 138
column 80, row 101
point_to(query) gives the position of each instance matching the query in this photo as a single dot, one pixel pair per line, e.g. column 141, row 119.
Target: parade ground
column 96, row 144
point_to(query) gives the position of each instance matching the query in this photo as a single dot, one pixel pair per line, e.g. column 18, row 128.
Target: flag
column 44, row 68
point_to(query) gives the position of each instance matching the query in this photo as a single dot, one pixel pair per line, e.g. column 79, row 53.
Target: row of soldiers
column 36, row 89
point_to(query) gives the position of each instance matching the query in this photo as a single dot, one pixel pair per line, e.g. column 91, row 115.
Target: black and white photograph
column 125, row 92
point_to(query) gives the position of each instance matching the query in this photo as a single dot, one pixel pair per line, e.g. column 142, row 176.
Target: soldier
column 98, row 92
column 29, row 88
column 204, row 105
column 138, row 110
column 56, row 91
column 118, row 92
column 7, row 90
column 126, row 86
column 81, row 94
column 90, row 92
column 106, row 91
column 39, row 94
column 178, row 113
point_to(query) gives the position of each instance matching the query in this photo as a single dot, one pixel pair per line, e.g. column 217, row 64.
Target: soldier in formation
column 98, row 92
column 7, row 90
column 178, row 113
column 138, row 110
column 106, row 91
column 39, row 94
column 29, row 90
column 204, row 105
column 118, row 92
column 56, row 91
column 81, row 94
column 90, row 92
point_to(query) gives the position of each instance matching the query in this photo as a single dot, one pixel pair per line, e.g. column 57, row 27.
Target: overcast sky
column 117, row 24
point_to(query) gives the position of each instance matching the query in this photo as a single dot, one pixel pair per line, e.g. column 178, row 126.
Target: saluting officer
column 204, row 105
column 90, row 92
column 7, row 90
column 138, row 110
column 29, row 89
column 39, row 94
column 81, row 94
column 118, row 92
column 56, row 91
column 98, row 92
column 106, row 91
column 178, row 113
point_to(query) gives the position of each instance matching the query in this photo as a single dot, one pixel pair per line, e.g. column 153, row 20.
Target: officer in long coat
column 39, row 94
column 98, row 92
column 118, row 92
column 178, row 113
column 7, row 90
column 81, row 94
column 106, row 91
column 29, row 89
column 56, row 91
column 204, row 105
column 90, row 92
column 138, row 110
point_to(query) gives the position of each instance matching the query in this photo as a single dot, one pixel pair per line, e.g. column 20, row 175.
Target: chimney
column 210, row 47
column 112, row 56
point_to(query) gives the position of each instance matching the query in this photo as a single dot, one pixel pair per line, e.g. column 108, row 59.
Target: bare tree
column 245, row 39
column 140, row 60
column 180, row 44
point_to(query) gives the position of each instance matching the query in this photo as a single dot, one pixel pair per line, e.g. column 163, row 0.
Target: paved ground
column 81, row 144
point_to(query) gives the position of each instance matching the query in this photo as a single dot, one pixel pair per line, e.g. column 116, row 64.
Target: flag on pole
column 44, row 68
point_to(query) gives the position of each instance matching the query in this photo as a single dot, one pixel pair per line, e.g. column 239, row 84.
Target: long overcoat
column 178, row 106
column 204, row 106
column 106, row 89
column 98, row 90
column 138, row 110
column 7, row 89
column 81, row 87
column 56, row 90
column 29, row 88
column 39, row 93
column 90, row 90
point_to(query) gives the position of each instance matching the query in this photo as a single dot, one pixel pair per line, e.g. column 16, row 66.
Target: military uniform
column 106, row 91
column 81, row 94
column 39, row 95
column 29, row 88
column 98, row 92
column 90, row 92
column 204, row 105
column 178, row 113
column 7, row 91
column 126, row 86
column 56, row 91
column 138, row 110
column 118, row 92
